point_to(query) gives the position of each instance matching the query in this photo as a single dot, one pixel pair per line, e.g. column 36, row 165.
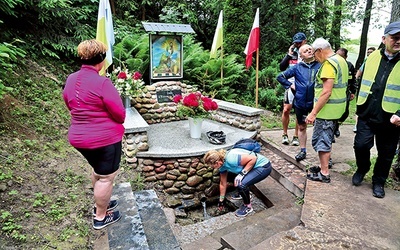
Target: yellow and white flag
column 218, row 37
column 105, row 31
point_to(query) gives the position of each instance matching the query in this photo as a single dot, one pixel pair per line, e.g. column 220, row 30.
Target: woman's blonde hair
column 92, row 51
column 213, row 156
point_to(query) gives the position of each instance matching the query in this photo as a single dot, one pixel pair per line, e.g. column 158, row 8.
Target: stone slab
column 134, row 121
column 172, row 139
column 128, row 233
column 155, row 224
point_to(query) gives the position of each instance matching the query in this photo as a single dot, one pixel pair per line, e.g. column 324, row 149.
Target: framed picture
column 166, row 56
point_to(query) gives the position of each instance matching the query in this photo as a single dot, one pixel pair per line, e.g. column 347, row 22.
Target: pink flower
column 122, row 75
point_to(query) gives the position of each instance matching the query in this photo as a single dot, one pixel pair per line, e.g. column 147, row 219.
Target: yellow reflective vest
column 336, row 105
column 391, row 95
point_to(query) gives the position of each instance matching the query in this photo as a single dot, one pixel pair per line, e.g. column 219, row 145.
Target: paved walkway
column 339, row 215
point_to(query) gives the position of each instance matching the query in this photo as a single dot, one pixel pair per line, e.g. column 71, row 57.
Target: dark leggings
column 104, row 160
column 254, row 176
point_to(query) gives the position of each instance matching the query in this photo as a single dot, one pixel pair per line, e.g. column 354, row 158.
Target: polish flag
column 253, row 42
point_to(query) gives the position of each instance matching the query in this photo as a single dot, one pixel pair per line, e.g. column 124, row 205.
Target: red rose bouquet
column 127, row 84
column 195, row 105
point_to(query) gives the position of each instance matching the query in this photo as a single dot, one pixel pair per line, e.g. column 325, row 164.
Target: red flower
column 122, row 75
column 209, row 104
column 137, row 76
column 191, row 100
column 177, row 98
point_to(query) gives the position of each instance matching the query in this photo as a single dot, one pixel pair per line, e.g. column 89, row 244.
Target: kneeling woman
column 250, row 168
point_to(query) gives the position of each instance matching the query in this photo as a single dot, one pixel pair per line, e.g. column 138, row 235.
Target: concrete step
column 156, row 227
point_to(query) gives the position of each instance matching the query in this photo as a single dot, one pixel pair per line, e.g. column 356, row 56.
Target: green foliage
column 237, row 31
column 137, row 182
column 9, row 54
column 7, row 6
column 10, row 227
column 133, row 53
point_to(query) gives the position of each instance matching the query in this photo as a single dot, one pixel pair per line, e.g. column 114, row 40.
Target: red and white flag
column 253, row 42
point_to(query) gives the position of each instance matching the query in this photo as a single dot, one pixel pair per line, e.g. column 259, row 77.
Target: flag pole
column 257, row 78
column 222, row 64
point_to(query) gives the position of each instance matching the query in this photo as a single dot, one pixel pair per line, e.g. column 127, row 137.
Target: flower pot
column 127, row 101
column 195, row 127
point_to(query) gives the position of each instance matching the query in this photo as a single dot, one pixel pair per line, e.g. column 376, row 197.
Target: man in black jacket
column 378, row 110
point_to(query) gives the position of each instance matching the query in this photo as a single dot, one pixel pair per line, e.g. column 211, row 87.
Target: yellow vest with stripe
column 391, row 95
column 336, row 105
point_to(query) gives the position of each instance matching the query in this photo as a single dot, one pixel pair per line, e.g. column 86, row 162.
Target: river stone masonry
column 180, row 177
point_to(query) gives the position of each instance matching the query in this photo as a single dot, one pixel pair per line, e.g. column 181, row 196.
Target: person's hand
column 221, row 205
column 395, row 119
column 310, row 118
column 352, row 96
column 291, row 48
column 238, row 179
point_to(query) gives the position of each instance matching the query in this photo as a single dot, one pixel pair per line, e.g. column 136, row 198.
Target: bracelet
column 221, row 197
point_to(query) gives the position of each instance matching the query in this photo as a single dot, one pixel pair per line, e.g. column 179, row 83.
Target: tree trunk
column 320, row 19
column 336, row 23
column 395, row 15
column 364, row 34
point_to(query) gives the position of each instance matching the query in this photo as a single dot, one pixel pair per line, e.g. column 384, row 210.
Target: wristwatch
column 244, row 172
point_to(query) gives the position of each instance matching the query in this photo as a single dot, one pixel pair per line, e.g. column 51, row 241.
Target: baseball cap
column 299, row 37
column 393, row 28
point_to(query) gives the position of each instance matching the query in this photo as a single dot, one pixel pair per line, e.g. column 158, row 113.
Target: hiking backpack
column 248, row 144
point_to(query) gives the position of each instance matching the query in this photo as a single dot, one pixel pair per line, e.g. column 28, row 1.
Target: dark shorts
column 104, row 160
column 323, row 135
column 301, row 114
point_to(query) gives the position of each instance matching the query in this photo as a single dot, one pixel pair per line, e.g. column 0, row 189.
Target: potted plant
column 195, row 107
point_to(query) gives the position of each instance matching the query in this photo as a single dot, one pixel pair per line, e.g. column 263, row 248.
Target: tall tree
column 364, row 34
column 336, row 23
column 321, row 18
column 395, row 14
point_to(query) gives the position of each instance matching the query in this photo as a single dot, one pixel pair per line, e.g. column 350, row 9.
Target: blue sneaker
column 243, row 211
column 110, row 218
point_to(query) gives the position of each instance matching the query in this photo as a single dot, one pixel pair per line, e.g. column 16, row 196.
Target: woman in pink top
column 96, row 130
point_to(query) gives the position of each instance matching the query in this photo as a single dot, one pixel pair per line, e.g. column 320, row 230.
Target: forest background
column 44, row 191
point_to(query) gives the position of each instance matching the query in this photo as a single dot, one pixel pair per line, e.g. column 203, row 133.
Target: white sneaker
column 285, row 139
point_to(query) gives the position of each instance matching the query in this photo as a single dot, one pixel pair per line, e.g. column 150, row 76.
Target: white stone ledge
column 134, row 122
column 238, row 108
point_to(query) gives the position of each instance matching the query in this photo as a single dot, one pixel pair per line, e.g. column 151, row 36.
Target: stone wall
column 181, row 178
column 154, row 112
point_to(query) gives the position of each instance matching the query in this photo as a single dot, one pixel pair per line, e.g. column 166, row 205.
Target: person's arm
column 247, row 161
column 322, row 100
column 113, row 102
column 284, row 76
column 223, row 184
column 285, row 61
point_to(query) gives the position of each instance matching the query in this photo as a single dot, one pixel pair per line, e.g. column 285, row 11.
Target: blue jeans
column 254, row 176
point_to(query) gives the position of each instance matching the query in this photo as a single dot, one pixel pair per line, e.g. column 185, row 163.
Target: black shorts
column 104, row 160
column 301, row 114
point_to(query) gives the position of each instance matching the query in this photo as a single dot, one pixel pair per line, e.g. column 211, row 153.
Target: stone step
column 156, row 227
column 255, row 228
column 128, row 233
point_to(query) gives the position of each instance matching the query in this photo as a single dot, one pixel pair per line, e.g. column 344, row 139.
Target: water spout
column 203, row 202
